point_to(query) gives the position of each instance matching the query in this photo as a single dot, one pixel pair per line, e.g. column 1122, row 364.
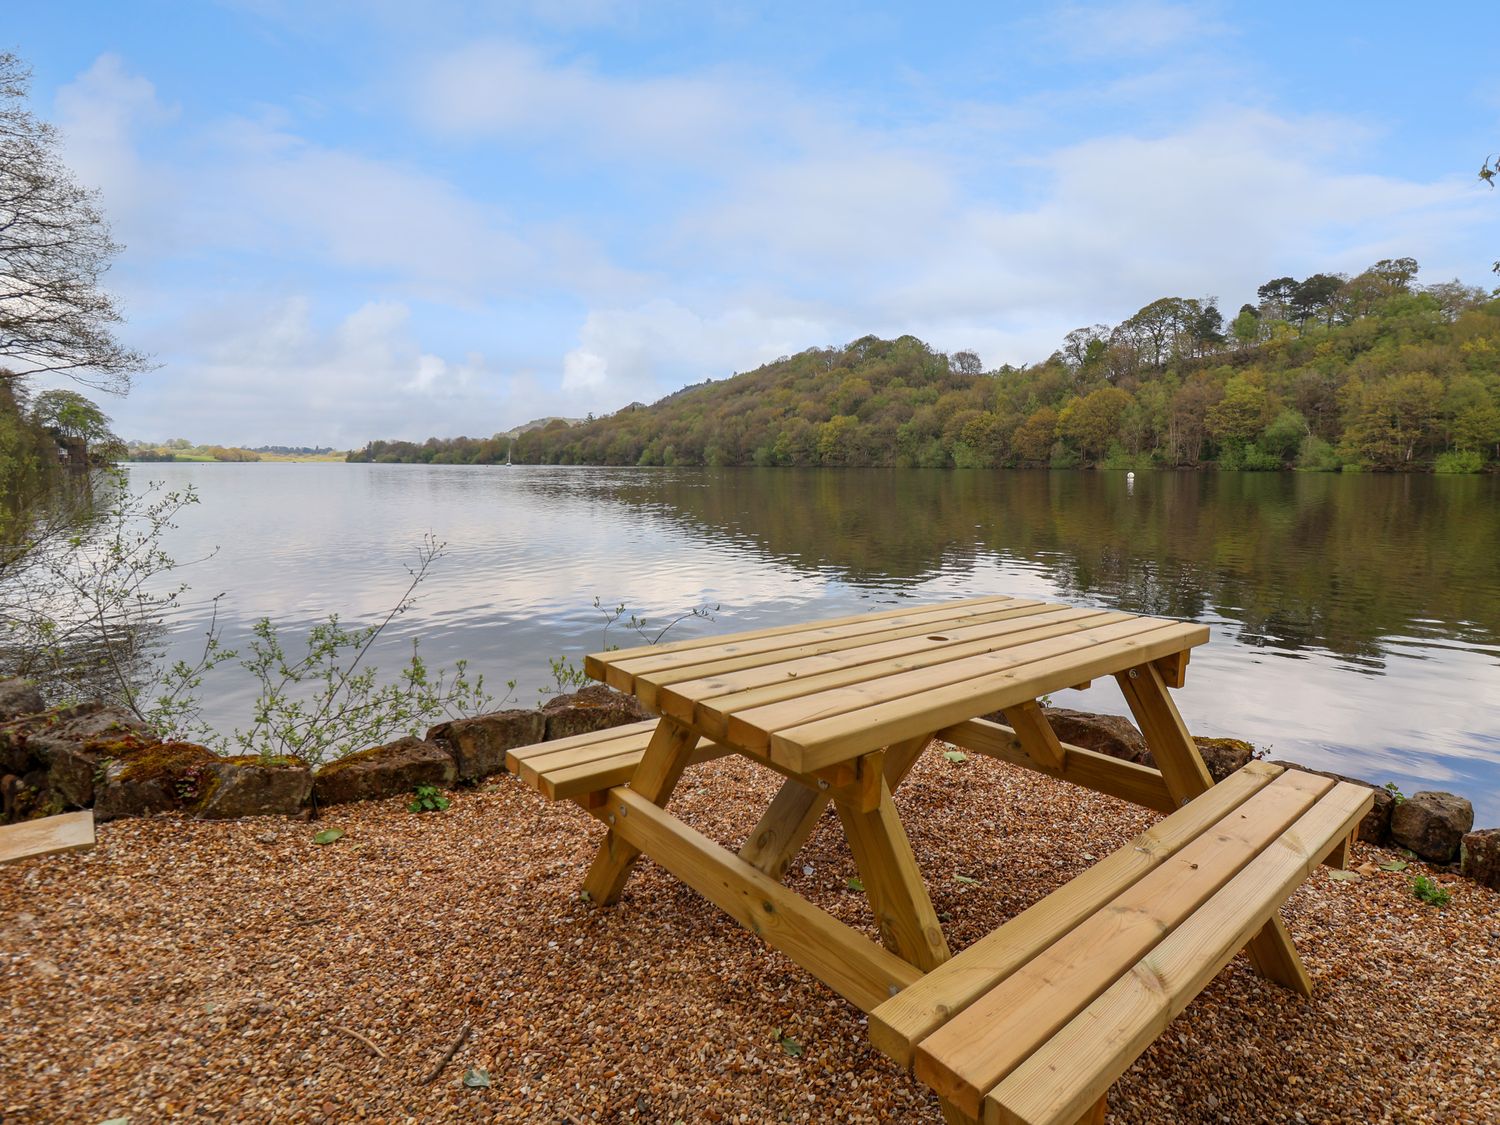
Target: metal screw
column 611, row 818
column 623, row 810
column 1135, row 673
column 822, row 783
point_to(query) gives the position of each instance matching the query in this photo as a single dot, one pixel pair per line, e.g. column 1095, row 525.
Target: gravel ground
column 239, row 972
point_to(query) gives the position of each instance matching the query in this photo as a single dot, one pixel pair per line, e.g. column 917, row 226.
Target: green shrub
column 1429, row 891
column 429, row 798
column 1317, row 456
column 1458, row 461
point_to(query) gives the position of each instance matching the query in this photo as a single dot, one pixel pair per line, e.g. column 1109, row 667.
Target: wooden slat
column 1069, row 639
column 670, row 751
column 517, row 754
column 536, row 764
column 988, row 683
column 1078, row 1064
column 621, row 669
column 909, row 925
column 590, row 777
column 48, row 835
column 968, row 1056
column 795, row 680
column 841, row 957
column 785, row 630
column 649, row 687
column 1176, row 754
column 1140, row 785
column 900, row 1023
column 678, row 697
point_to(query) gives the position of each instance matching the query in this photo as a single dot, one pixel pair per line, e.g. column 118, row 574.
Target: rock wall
column 94, row 755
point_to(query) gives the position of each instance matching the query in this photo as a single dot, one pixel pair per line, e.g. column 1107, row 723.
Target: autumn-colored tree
column 1034, row 438
column 1091, row 423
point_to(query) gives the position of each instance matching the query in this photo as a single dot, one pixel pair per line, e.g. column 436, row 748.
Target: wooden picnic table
column 843, row 709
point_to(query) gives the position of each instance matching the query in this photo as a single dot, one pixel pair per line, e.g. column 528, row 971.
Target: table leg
column 668, row 754
column 1271, row 951
column 795, row 811
column 909, row 925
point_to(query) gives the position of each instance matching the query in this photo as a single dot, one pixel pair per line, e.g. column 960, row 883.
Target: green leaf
column 476, row 1077
column 328, row 836
column 957, row 757
column 964, row 879
column 1395, row 865
column 855, row 884
column 791, row 1046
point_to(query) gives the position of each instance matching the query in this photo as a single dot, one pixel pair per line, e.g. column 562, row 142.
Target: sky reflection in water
column 1356, row 620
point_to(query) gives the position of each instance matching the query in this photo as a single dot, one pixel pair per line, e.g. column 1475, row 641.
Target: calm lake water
column 1355, row 619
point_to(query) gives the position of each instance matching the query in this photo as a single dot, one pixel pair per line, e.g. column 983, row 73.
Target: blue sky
column 356, row 220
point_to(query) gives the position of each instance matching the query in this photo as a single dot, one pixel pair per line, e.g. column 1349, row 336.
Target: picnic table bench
column 1033, row 1022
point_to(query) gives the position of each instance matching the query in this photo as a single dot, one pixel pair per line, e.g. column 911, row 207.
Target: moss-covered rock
column 394, row 769
column 1223, row 756
column 478, row 744
column 596, row 707
column 254, row 786
column 139, row 780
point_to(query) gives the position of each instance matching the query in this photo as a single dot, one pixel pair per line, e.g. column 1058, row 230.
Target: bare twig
column 448, row 1054
column 352, row 1034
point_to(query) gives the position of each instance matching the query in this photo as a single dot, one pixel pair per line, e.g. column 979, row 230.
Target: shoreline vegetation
column 1373, row 373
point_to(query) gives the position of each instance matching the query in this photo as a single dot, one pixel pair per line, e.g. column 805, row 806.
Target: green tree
column 1034, row 438
column 1241, row 413
column 54, row 249
column 77, row 424
column 1091, row 423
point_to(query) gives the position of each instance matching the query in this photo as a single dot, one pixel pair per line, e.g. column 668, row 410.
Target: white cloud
column 508, row 89
column 644, row 352
column 1132, row 29
column 272, row 374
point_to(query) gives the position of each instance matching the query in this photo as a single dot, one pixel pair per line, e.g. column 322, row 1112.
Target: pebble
column 198, row 981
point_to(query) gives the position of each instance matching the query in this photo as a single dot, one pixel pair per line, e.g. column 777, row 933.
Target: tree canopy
column 55, row 247
column 1371, row 371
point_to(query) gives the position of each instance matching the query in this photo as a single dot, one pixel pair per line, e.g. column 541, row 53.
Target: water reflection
column 1356, row 618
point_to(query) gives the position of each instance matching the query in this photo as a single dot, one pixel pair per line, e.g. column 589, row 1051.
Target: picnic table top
column 813, row 695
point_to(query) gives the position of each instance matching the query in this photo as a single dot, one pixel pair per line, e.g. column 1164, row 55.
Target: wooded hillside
column 1371, row 372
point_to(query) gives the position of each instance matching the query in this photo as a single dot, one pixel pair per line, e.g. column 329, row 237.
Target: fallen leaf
column 855, row 884
column 328, row 836
column 1344, row 876
column 1368, row 868
column 476, row 1077
column 966, row 880
column 791, row 1046
column 1395, row 865
column 955, row 756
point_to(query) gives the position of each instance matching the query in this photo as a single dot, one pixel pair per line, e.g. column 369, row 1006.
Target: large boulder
column 1432, row 824
column 19, row 697
column 384, row 771
column 1223, row 756
column 1479, row 857
column 1104, row 734
column 158, row 777
column 255, row 787
column 478, row 744
column 76, row 743
column 595, row 707
column 1375, row 828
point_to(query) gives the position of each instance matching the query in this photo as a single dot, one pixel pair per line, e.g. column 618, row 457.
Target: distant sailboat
column 507, row 455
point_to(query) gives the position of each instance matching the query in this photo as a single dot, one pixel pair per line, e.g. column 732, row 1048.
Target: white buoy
column 1130, row 476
